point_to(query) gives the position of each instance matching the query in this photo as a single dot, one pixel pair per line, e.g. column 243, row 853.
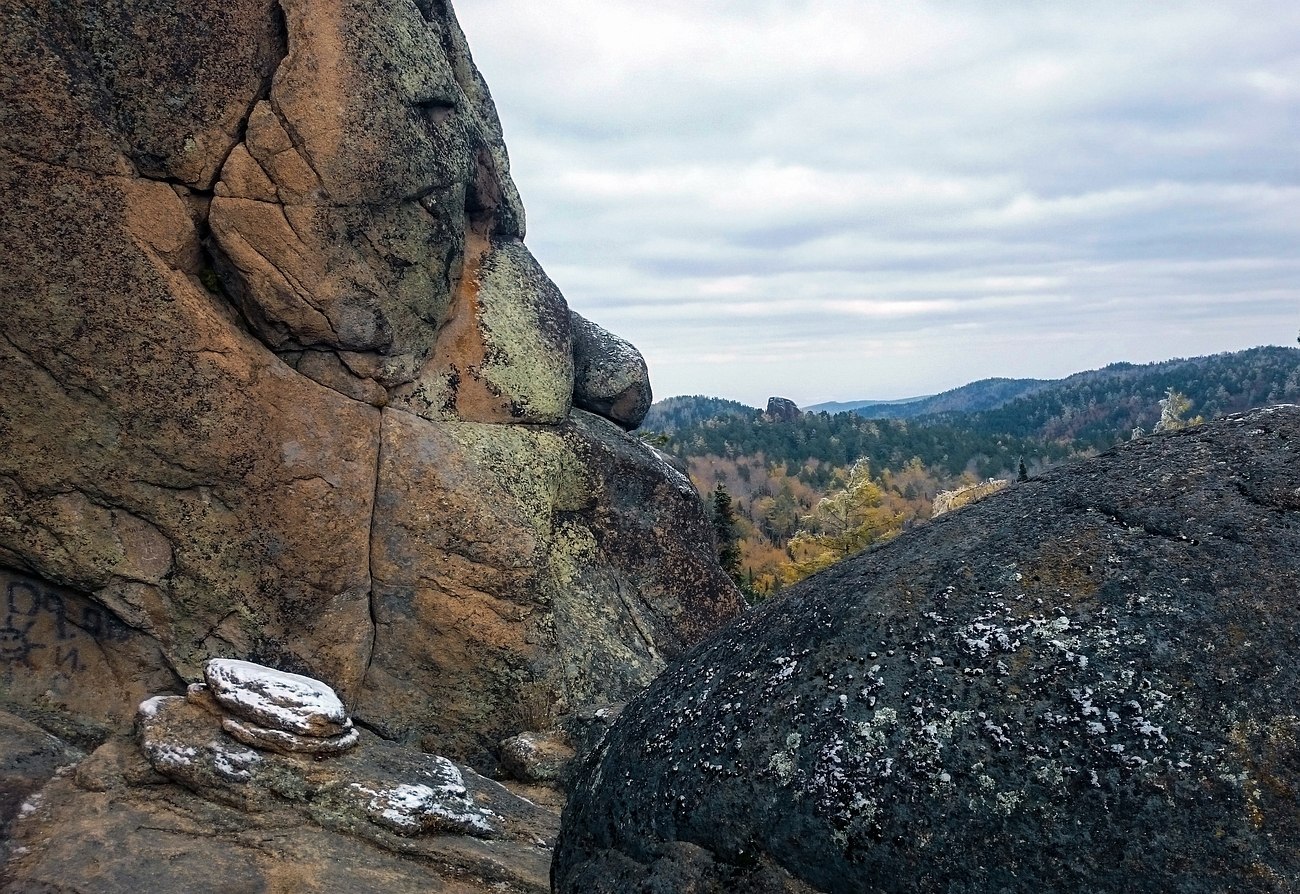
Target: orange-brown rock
column 189, row 809
column 267, row 325
column 563, row 571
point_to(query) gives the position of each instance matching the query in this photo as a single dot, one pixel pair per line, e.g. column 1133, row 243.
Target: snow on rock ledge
column 277, row 699
column 376, row 790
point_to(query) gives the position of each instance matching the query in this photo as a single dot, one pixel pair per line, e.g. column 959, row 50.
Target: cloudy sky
column 841, row 199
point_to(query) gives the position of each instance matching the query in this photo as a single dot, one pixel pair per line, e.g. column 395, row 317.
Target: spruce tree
column 724, row 533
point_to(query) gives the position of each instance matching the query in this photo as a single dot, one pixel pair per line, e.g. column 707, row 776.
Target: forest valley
column 790, row 497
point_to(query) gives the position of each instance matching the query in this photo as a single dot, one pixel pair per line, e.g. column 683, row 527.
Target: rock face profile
column 1085, row 682
column 284, row 387
column 284, row 383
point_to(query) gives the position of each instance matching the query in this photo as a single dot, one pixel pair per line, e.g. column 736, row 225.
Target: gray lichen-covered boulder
column 610, row 375
column 1083, row 683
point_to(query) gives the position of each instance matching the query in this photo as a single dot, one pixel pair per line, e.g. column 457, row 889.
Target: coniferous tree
column 724, row 533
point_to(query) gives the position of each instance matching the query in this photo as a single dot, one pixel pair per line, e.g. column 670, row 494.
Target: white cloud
column 827, row 198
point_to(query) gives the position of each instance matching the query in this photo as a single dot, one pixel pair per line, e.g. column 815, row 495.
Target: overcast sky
column 842, row 199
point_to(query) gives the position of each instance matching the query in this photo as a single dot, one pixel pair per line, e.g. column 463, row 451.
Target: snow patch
column 150, row 707
column 233, row 764
column 286, row 701
column 443, row 806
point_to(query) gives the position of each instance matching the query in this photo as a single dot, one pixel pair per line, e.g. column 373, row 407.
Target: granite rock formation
column 781, row 409
column 1085, row 682
column 283, row 382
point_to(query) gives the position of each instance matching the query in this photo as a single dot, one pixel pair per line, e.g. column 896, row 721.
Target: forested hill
column 1013, row 417
column 1095, row 408
column 779, row 471
column 672, row 413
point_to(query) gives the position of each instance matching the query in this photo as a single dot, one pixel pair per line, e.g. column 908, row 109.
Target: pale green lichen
column 534, row 467
column 525, row 362
column 572, row 548
column 782, row 764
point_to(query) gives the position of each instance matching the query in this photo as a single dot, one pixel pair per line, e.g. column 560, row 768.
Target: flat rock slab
column 288, row 743
column 114, row 826
column 1086, row 682
column 282, row 701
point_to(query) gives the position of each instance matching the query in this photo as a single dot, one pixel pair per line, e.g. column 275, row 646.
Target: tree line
column 791, row 497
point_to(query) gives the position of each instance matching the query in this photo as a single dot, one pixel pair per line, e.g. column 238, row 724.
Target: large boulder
column 284, row 384
column 610, row 375
column 1085, row 682
column 781, row 409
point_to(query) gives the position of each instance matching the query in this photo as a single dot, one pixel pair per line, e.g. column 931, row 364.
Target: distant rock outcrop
column 781, row 409
column 1083, row 683
column 283, row 382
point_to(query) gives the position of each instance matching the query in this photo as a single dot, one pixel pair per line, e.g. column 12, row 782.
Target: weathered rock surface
column 282, row 383
column 506, row 354
column 610, row 375
column 1083, row 683
column 190, row 809
column 557, row 575
column 536, row 757
column 69, row 664
column 29, row 757
column 267, row 323
column 402, row 790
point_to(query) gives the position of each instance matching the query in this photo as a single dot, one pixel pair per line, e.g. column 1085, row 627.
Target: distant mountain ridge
column 993, row 420
column 994, row 393
column 836, row 406
column 985, row 394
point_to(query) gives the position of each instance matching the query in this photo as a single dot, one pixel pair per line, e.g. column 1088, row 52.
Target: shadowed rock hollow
column 1084, row 683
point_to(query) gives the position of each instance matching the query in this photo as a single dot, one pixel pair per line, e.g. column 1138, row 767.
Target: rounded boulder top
column 1086, row 682
column 277, row 699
